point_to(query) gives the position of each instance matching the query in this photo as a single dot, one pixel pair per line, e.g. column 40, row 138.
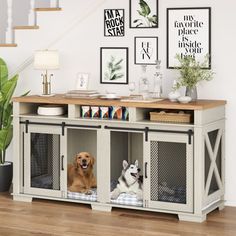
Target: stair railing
column 9, row 30
column 32, row 14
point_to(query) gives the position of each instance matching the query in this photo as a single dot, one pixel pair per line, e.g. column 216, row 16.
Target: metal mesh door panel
column 168, row 172
column 45, row 161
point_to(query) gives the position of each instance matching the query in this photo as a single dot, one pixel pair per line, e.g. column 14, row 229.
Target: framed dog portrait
column 188, row 34
column 114, row 22
column 146, row 50
column 114, row 65
column 143, row 13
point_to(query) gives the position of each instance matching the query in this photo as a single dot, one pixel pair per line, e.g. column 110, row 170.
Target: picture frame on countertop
column 145, row 50
column 144, row 14
column 114, row 63
column 189, row 34
column 114, row 22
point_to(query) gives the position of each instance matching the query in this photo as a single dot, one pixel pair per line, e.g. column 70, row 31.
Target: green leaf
column 7, row 115
column 3, row 72
column 153, row 19
column 8, row 90
column 5, row 137
column 145, row 9
column 141, row 13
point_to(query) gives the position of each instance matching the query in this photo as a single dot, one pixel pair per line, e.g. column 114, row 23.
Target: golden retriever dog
column 80, row 177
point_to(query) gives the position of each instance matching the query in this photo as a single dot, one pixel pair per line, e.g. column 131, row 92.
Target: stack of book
column 87, row 94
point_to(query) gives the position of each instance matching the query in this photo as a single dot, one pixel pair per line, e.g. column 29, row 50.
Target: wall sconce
column 46, row 60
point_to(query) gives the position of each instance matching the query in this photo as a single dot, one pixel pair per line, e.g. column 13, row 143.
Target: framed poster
column 114, row 65
column 143, row 14
column 114, row 22
column 188, row 34
column 146, row 50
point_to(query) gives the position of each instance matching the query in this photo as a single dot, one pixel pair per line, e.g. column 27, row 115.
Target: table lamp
column 46, row 60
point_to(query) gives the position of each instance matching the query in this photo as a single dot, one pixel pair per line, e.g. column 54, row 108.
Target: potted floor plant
column 7, row 88
column 191, row 73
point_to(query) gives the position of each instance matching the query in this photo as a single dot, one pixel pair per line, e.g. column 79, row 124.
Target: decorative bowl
column 184, row 99
column 173, row 96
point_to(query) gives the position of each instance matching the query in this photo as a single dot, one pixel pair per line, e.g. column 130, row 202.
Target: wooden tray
column 170, row 117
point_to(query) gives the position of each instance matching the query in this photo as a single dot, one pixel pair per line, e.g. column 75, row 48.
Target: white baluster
column 32, row 13
column 9, row 31
column 54, row 3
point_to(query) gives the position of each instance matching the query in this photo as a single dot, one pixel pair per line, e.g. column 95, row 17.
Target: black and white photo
column 114, row 65
column 188, row 34
column 146, row 50
column 114, row 22
column 144, row 14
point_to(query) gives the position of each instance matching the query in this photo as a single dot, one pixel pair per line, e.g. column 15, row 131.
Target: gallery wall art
column 188, row 34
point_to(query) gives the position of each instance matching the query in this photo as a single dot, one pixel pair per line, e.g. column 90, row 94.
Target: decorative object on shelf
column 50, row 110
column 6, row 130
column 188, row 34
column 170, row 117
column 46, row 60
column 143, row 81
column 146, row 50
column 114, row 22
column 82, row 81
column 174, row 94
column 157, row 83
column 143, row 14
column 184, row 99
column 82, row 94
column 114, row 65
column 191, row 73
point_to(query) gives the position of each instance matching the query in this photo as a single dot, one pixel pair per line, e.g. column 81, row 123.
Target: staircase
column 21, row 15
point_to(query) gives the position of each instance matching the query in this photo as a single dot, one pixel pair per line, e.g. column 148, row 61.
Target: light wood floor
column 56, row 218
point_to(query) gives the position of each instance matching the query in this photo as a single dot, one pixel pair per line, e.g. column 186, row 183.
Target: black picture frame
column 114, row 22
column 133, row 14
column 197, row 26
column 119, row 56
column 148, row 55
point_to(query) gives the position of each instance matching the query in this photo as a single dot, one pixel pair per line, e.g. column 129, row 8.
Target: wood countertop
column 164, row 104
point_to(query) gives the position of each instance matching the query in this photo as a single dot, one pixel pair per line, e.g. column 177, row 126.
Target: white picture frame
column 146, row 50
column 82, row 81
column 188, row 34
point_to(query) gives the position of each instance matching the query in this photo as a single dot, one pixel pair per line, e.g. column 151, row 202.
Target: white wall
column 79, row 52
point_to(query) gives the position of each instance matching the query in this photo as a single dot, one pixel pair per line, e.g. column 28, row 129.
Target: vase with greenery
column 146, row 18
column 191, row 73
column 7, row 88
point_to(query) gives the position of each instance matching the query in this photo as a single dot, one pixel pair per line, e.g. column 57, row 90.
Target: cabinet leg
column 221, row 206
column 96, row 207
column 20, row 198
column 192, row 218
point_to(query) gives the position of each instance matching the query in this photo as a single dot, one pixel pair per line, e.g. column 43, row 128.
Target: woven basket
column 170, row 117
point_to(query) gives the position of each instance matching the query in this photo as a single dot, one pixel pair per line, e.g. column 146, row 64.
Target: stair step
column 9, row 45
column 26, row 27
column 48, row 9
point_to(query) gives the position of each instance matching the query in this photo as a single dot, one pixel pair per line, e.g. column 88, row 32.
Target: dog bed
column 82, row 196
column 123, row 199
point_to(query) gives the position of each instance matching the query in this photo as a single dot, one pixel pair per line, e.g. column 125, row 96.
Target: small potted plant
column 7, row 88
column 191, row 73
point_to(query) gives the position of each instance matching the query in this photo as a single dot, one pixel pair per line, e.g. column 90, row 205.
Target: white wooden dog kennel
column 187, row 158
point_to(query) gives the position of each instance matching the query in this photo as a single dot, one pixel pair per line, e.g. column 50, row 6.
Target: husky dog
column 129, row 181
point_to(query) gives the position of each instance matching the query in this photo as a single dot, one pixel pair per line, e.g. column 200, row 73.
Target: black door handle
column 62, row 162
column 145, row 174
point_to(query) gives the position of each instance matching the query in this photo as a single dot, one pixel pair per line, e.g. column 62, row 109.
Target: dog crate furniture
column 182, row 163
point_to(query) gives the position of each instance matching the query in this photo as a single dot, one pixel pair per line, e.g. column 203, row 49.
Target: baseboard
column 230, row 203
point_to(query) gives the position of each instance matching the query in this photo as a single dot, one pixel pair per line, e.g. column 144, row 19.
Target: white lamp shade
column 46, row 60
